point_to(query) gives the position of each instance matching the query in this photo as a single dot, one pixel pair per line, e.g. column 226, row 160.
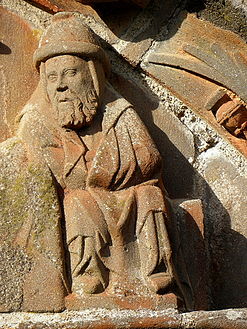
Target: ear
column 98, row 76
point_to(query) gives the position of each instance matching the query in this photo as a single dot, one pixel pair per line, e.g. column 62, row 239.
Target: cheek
column 50, row 90
column 80, row 84
column 77, row 89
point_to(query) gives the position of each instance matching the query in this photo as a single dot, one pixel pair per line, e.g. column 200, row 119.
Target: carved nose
column 62, row 87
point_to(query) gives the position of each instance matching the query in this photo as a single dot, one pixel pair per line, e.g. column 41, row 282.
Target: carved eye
column 52, row 77
column 70, row 72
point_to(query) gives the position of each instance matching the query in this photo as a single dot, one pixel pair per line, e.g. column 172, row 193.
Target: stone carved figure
column 97, row 222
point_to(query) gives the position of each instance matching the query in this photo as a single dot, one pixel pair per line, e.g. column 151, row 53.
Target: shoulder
column 13, row 157
column 12, row 146
column 113, row 107
column 35, row 129
column 28, row 117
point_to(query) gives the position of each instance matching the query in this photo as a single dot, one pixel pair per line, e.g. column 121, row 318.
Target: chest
column 72, row 160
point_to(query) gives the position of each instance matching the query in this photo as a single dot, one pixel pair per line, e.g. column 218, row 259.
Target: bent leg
column 86, row 236
column 154, row 244
column 89, row 275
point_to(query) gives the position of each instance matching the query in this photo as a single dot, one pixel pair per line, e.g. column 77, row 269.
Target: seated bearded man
column 105, row 166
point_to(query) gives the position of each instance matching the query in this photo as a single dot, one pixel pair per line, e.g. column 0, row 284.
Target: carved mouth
column 64, row 100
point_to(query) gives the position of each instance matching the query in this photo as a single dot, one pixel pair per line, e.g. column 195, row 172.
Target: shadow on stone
column 134, row 24
column 4, row 49
column 225, row 264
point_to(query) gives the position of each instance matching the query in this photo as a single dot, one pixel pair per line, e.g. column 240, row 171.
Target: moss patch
column 221, row 13
column 29, row 221
column 29, row 206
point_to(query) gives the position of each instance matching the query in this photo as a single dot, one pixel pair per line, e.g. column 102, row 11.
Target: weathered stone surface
column 55, row 6
column 198, row 68
column 231, row 113
column 28, row 263
column 188, row 214
column 174, row 141
column 239, row 3
column 225, row 227
column 227, row 319
column 200, row 137
column 97, row 221
column 213, row 54
column 131, row 35
column 118, row 302
column 228, row 14
column 144, row 30
column 105, row 319
column 190, row 220
column 18, row 77
column 213, row 207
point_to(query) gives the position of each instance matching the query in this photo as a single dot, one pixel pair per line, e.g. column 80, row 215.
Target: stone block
column 145, row 29
column 18, row 77
column 171, row 301
column 105, row 319
column 29, row 262
column 54, row 6
column 197, row 68
column 190, row 220
column 225, row 227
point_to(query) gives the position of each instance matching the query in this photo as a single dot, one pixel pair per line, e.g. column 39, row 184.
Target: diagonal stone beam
column 54, row 6
column 83, row 6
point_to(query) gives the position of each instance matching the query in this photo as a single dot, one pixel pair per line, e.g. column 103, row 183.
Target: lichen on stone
column 222, row 13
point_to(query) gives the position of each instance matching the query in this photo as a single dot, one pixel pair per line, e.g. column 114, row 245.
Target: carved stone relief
column 85, row 219
column 83, row 203
column 207, row 70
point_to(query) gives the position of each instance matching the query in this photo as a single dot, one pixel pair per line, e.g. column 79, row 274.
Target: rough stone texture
column 145, row 29
column 139, row 31
column 36, row 17
column 15, row 264
column 218, row 207
column 228, row 14
column 241, row 4
column 118, row 302
column 213, row 54
column 28, row 204
column 55, row 6
column 226, row 228
column 201, row 69
column 113, row 234
column 174, row 141
column 215, row 206
column 205, row 138
column 191, row 81
column 190, row 219
column 105, row 319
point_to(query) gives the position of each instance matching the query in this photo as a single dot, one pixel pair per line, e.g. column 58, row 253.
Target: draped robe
column 117, row 200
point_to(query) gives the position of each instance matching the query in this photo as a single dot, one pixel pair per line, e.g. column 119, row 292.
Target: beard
column 75, row 112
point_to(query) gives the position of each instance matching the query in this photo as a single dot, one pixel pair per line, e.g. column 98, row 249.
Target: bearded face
column 71, row 91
